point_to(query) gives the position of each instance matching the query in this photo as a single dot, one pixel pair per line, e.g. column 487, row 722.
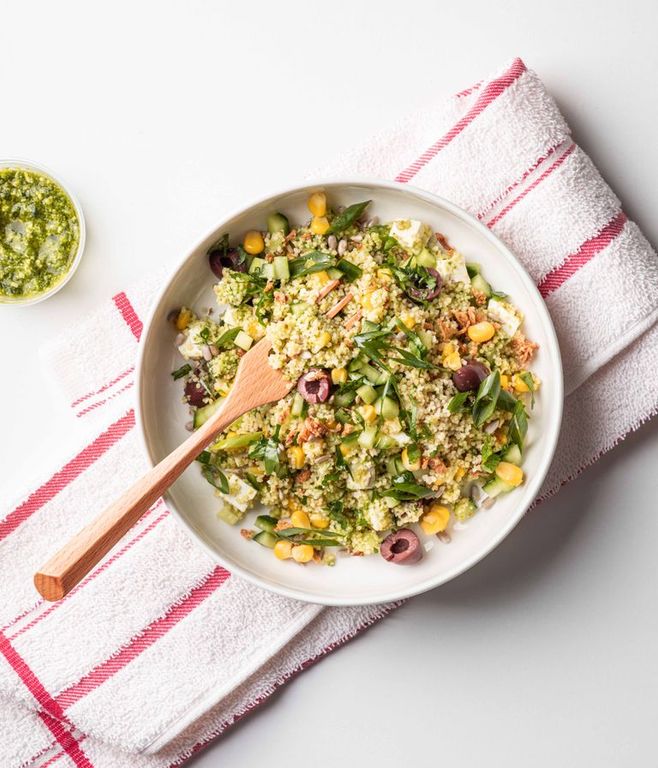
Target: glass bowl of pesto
column 42, row 233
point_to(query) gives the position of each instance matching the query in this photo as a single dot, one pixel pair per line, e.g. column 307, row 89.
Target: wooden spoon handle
column 78, row 556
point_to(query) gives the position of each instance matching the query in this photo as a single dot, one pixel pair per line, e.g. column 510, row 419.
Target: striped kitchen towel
column 159, row 649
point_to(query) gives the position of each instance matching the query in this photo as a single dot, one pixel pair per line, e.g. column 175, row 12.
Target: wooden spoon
column 256, row 383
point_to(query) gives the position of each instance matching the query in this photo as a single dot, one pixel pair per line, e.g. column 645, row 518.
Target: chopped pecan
column 246, row 533
column 303, row 475
column 523, row 349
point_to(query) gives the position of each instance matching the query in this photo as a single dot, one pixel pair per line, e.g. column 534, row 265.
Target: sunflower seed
column 342, row 246
column 180, row 339
column 332, row 242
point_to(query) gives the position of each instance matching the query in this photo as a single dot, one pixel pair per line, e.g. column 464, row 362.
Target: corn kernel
column 283, row 549
column 518, row 383
column 323, row 339
column 296, row 457
column 409, row 321
column 319, row 225
column 322, row 278
column 459, row 473
column 302, row 553
column 481, row 332
column 253, row 242
column 317, row 203
column 435, row 519
column 369, row 413
column 412, row 466
column 347, row 448
column 319, row 521
column 184, row 318
column 509, row 473
column 366, row 300
column 299, row 519
column 453, row 361
column 339, row 375
column 504, row 381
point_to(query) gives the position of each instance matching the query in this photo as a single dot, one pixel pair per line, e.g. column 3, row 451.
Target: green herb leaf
column 253, row 482
column 405, row 488
column 221, row 245
column 182, row 371
column 228, row 337
column 458, row 402
column 351, row 271
column 344, row 220
column 308, row 263
column 216, row 478
column 506, row 402
column 413, row 361
column 518, row 426
column 268, row 450
column 204, row 457
column 486, row 399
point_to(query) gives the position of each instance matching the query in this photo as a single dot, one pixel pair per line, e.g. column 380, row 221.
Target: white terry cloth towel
column 98, row 680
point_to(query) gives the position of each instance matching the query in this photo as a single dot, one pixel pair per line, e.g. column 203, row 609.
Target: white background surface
column 161, row 116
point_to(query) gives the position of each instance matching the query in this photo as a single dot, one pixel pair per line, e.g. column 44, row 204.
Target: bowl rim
column 549, row 437
column 29, row 165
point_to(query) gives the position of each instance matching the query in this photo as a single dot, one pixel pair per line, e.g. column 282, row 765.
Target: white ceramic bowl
column 354, row 580
column 28, row 166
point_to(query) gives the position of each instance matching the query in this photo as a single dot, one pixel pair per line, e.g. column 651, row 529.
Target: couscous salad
column 413, row 394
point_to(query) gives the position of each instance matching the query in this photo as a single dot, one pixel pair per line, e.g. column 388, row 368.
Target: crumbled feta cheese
column 411, row 234
column 240, row 493
column 190, row 348
column 509, row 317
column 452, row 268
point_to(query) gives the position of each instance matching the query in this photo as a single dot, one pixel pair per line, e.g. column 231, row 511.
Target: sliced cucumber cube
column 370, row 372
column 368, row 437
column 367, row 393
column 266, row 522
column 481, row 285
column 355, row 365
column 496, row 486
column 426, row 259
column 387, row 408
column 201, row 415
column 280, row 266
column 243, row 340
column 277, row 222
column 334, row 274
column 266, row 539
column 256, row 265
column 298, row 407
column 472, row 268
column 513, row 455
column 386, row 442
column 343, row 399
column 229, row 515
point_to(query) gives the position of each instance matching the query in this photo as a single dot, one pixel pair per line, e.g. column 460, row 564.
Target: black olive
column 470, row 375
column 401, row 547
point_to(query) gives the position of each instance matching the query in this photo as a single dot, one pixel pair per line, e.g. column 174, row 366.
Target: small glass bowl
column 28, row 166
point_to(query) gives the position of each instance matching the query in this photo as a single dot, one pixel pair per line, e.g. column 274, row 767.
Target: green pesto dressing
column 39, row 233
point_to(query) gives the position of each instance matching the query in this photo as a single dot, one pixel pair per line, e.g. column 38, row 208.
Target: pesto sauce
column 39, row 233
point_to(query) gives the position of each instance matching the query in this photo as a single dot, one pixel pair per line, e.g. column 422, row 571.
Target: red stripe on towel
column 146, row 639
column 67, row 474
column 104, row 388
column 587, row 251
column 103, row 567
column 93, row 406
column 489, row 94
column 53, row 714
column 518, row 181
column 70, row 745
column 532, row 186
column 128, row 313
